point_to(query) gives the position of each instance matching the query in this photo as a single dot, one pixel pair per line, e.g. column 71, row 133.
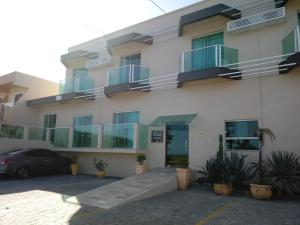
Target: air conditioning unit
column 257, row 20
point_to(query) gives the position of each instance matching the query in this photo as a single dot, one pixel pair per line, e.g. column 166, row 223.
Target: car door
column 51, row 162
column 34, row 160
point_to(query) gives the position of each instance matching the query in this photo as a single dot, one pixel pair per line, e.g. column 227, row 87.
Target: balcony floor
column 295, row 58
column 206, row 74
column 113, row 89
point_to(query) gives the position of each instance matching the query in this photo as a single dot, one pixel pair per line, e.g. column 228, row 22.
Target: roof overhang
column 173, row 119
column 79, row 55
column 215, row 10
column 280, row 3
column 59, row 98
column 131, row 37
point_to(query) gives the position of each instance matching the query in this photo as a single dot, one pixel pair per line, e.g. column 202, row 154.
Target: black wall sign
column 157, row 136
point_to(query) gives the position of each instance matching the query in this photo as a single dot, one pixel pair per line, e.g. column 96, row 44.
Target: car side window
column 34, row 153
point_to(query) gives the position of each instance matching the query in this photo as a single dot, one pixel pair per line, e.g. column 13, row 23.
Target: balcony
column 116, row 138
column 290, row 51
column 127, row 78
column 76, row 85
column 208, row 62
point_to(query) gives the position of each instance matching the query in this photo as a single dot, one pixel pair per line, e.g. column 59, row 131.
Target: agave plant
column 233, row 169
column 211, row 171
column 283, row 172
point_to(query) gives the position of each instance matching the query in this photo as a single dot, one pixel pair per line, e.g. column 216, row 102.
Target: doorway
column 177, row 145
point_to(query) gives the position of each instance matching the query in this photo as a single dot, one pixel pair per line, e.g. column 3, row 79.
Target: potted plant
column 74, row 166
column 183, row 176
column 260, row 189
column 232, row 173
column 140, row 167
column 100, row 166
column 283, row 172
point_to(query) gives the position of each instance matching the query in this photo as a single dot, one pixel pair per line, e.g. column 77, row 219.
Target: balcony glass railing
column 11, row 131
column 291, row 43
column 76, row 85
column 85, row 137
column 59, row 137
column 208, row 58
column 118, row 136
column 37, row 133
column 127, row 74
column 107, row 136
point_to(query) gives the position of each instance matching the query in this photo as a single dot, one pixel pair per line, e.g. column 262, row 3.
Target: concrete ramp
column 149, row 184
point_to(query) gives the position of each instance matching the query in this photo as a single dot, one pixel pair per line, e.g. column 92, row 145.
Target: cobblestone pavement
column 40, row 200
column 197, row 206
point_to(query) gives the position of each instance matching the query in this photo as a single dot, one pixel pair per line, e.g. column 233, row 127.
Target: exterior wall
column 7, row 144
column 273, row 100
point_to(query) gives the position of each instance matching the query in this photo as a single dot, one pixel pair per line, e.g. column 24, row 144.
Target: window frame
column 240, row 138
column 119, row 112
column 87, row 115
column 50, row 118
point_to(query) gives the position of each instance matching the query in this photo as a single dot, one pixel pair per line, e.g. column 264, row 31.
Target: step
column 138, row 187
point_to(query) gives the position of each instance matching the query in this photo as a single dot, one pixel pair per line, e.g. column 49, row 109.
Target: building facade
column 169, row 86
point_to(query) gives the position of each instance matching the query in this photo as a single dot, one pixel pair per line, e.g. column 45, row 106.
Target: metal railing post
column 99, row 143
column 71, row 130
column 297, row 38
column 182, row 62
column 216, row 56
column 26, row 133
column 135, row 136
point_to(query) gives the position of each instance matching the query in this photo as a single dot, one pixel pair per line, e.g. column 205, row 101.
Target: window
column 240, row 135
column 79, row 121
column 50, row 121
column 131, row 60
column 126, row 117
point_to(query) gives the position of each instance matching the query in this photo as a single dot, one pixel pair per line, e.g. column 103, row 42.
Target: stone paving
column 41, row 200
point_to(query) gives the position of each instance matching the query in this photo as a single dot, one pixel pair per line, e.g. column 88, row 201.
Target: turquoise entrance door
column 177, row 144
column 205, row 57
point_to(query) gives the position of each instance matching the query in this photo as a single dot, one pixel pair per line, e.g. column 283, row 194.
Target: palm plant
column 262, row 134
column 211, row 171
column 283, row 172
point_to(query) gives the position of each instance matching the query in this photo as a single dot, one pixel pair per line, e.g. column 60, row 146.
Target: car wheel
column 22, row 173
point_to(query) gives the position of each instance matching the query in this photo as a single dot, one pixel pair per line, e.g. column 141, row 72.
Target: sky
column 35, row 33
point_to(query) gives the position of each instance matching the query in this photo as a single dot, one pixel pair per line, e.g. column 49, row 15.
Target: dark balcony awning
column 173, row 119
column 131, row 37
column 215, row 10
column 280, row 3
column 59, row 98
column 290, row 63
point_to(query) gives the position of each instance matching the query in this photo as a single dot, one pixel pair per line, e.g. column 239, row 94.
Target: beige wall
column 7, row 144
column 273, row 100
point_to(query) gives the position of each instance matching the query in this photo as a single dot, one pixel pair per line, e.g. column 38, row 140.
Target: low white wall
column 7, row 144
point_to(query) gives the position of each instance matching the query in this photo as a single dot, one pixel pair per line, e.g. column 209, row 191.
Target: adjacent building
column 169, row 86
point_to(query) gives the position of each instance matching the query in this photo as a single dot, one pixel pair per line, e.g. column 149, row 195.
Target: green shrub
column 99, row 164
column 282, row 172
column 141, row 159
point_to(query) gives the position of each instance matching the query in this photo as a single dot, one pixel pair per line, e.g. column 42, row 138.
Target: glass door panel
column 177, row 137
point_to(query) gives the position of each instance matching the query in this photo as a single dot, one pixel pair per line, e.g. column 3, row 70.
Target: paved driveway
column 41, row 200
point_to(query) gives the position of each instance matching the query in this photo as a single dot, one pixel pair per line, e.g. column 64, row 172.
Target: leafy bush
column 141, row 158
column 282, row 172
column 230, row 170
column 233, row 169
column 99, row 164
column 211, row 171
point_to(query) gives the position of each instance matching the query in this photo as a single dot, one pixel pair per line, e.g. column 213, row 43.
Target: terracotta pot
column 139, row 169
column 262, row 192
column 74, row 169
column 100, row 174
column 223, row 189
column 184, row 177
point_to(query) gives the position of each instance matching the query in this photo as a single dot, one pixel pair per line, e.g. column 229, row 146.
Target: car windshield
column 11, row 152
